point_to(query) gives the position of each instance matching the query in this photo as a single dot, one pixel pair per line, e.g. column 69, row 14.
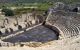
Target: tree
column 8, row 12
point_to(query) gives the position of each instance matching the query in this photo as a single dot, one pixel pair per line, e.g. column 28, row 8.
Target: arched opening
column 6, row 31
column 11, row 30
column 75, row 9
column 19, row 27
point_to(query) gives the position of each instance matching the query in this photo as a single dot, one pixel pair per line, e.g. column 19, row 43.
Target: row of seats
column 67, row 24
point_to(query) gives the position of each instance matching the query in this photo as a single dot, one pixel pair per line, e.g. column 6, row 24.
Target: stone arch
column 75, row 9
column 19, row 27
column 11, row 30
column 6, row 31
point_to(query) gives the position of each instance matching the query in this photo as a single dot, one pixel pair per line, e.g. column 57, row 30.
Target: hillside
column 40, row 1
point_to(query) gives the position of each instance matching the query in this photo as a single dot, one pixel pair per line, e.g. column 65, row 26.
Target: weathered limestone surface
column 67, row 22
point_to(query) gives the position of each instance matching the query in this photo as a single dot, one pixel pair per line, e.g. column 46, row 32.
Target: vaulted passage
column 42, row 33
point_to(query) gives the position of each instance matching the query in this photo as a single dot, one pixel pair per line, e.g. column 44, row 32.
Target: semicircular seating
column 69, row 24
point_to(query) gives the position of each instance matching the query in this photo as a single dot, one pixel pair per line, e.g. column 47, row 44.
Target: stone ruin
column 58, row 25
column 9, row 25
column 66, row 7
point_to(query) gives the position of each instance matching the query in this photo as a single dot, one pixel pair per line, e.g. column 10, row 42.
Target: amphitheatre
column 59, row 30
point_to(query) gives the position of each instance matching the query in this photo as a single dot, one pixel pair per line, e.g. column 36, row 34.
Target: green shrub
column 8, row 12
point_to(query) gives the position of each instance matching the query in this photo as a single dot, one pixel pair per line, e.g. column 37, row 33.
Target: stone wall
column 18, row 23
